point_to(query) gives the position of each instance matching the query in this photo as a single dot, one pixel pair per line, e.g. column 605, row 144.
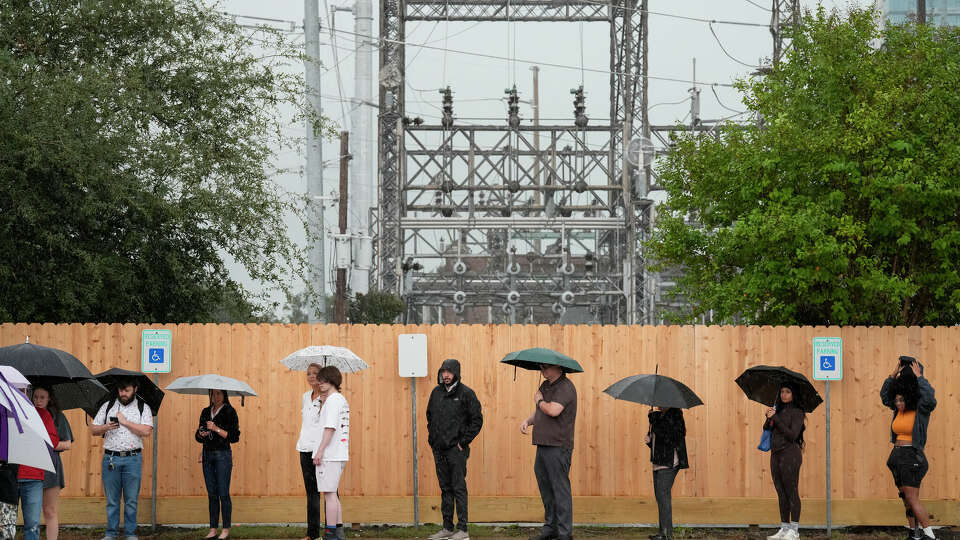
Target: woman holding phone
column 219, row 427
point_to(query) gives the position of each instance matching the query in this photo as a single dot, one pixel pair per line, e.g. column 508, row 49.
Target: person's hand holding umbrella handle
column 770, row 412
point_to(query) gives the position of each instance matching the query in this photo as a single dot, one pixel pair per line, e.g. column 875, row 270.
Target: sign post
column 155, row 357
column 828, row 366
column 412, row 362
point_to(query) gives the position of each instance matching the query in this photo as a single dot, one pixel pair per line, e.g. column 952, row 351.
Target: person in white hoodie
column 332, row 454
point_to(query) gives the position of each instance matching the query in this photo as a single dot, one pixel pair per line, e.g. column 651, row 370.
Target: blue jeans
column 217, row 466
column 122, row 479
column 31, row 503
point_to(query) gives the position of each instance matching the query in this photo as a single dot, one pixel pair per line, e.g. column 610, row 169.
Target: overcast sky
column 478, row 82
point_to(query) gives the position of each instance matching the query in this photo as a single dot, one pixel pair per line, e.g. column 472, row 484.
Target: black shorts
column 908, row 465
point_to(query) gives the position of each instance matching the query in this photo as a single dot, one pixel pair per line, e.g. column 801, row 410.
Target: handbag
column 764, row 445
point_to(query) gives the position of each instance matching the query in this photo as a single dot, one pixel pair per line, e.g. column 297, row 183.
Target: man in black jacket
column 454, row 418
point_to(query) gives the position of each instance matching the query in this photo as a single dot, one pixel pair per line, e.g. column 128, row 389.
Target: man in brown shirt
column 553, row 421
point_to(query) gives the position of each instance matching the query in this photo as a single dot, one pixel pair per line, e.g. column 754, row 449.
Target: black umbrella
column 86, row 394
column 37, row 360
column 762, row 384
column 654, row 390
column 147, row 391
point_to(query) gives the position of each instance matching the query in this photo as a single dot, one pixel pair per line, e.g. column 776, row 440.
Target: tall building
column 939, row 12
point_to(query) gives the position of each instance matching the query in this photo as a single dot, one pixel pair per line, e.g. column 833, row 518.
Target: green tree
column 842, row 206
column 137, row 142
column 375, row 307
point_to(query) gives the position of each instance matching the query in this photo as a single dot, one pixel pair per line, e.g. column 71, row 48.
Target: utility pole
column 344, row 183
column 921, row 11
column 314, row 149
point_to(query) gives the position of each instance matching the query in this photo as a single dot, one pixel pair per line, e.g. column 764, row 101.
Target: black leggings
column 785, row 469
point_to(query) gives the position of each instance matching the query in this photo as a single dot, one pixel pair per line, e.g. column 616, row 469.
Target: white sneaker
column 791, row 535
column 460, row 535
column 779, row 535
column 442, row 534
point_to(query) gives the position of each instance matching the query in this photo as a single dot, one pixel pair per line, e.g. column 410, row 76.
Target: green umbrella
column 532, row 358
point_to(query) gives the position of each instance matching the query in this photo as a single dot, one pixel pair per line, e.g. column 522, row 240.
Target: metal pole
column 153, row 488
column 344, row 183
column 922, row 11
column 829, row 525
column 416, row 486
column 363, row 191
column 314, row 150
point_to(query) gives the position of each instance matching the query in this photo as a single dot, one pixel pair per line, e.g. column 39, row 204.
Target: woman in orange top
column 912, row 399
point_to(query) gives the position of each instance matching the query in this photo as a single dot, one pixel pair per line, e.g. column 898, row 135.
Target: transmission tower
column 512, row 222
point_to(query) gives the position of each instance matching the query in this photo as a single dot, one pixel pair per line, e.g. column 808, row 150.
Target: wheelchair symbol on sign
column 828, row 363
column 156, row 356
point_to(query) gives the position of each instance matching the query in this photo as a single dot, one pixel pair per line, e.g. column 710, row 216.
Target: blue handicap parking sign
column 828, row 363
column 155, row 356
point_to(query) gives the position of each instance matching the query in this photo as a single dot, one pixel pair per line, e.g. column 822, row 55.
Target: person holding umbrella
column 789, row 396
column 553, row 422
column 908, row 393
column 311, row 433
column 667, row 435
column 786, row 422
column 668, row 454
column 123, row 422
column 219, row 427
column 332, row 454
column 53, row 482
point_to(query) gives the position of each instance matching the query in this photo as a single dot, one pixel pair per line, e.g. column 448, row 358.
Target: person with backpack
column 786, row 422
column 219, row 427
column 123, row 422
column 911, row 398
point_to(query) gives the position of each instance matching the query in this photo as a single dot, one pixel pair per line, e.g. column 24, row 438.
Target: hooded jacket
column 453, row 417
column 926, row 404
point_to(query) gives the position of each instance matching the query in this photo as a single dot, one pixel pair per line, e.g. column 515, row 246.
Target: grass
column 505, row 531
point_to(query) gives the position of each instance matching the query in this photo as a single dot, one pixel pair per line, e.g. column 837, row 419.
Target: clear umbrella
column 326, row 355
column 200, row 384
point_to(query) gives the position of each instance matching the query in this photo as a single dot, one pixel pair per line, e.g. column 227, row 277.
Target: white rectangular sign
column 412, row 355
column 156, row 348
column 827, row 359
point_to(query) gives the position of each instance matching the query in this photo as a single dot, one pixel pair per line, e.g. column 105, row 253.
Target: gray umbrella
column 200, row 384
column 654, row 390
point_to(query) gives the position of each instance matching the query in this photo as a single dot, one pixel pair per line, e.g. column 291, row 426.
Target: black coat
column 668, row 434
column 226, row 420
column 8, row 482
column 926, row 404
column 786, row 426
column 453, row 417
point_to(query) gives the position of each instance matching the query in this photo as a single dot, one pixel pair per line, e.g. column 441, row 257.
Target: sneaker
column 791, row 535
column 460, row 535
column 441, row 534
column 542, row 536
column 341, row 533
column 130, row 537
column 779, row 535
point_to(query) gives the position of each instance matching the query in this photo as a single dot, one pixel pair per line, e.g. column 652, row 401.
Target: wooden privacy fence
column 728, row 481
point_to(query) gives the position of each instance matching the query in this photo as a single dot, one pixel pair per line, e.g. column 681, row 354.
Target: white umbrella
column 14, row 377
column 326, row 355
column 23, row 437
column 199, row 384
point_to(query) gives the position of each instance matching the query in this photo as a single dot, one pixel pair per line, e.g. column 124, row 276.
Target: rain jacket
column 785, row 426
column 668, row 436
column 453, row 417
column 925, row 406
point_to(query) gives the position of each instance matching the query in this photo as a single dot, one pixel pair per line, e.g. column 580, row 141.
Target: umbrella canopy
column 200, row 384
column 654, row 390
column 532, row 358
column 86, row 394
column 23, row 437
column 762, row 384
column 14, row 378
column 147, row 391
column 37, row 360
column 341, row 358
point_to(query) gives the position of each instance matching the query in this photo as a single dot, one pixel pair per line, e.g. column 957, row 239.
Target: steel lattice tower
column 502, row 195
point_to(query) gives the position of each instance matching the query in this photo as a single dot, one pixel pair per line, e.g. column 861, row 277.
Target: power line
column 714, row 90
column 730, row 56
column 751, row 2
